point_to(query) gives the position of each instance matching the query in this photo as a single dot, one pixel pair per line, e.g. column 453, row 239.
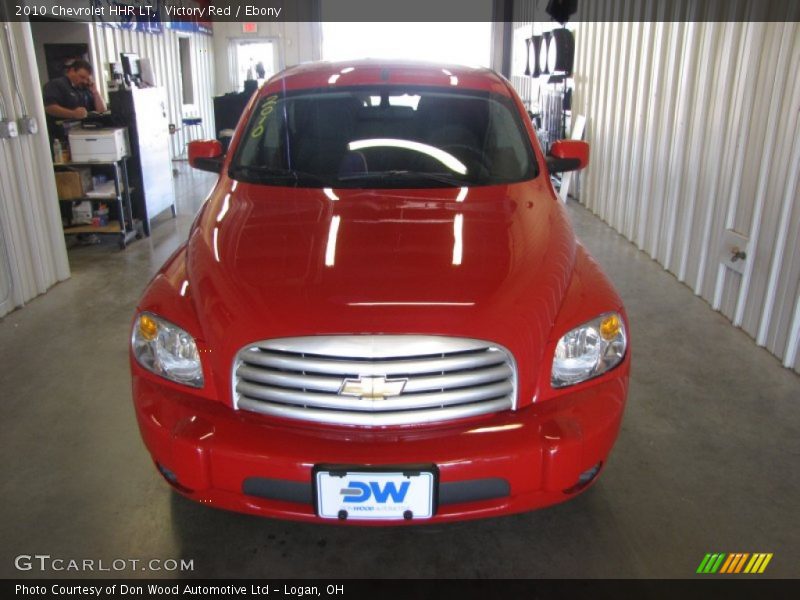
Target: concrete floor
column 706, row 460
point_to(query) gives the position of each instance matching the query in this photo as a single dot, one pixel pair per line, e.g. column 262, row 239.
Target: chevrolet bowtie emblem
column 373, row 388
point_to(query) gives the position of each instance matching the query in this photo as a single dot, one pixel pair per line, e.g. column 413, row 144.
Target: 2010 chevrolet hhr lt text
column 381, row 314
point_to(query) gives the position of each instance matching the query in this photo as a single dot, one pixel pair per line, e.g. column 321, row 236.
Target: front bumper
column 506, row 463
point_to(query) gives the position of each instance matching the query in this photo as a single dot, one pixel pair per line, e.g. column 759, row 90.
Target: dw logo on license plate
column 375, row 495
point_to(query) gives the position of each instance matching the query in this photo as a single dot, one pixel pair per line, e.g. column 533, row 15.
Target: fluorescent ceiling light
column 447, row 159
column 224, row 210
column 458, row 243
column 330, row 251
column 216, row 244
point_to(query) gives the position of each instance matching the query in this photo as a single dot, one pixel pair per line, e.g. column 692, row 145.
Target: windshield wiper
column 265, row 173
column 398, row 174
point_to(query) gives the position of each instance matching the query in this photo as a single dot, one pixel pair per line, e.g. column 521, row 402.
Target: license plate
column 376, row 495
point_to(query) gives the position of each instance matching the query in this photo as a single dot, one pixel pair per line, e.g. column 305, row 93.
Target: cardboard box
column 72, row 184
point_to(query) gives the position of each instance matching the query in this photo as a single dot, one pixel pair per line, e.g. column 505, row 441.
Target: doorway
column 253, row 60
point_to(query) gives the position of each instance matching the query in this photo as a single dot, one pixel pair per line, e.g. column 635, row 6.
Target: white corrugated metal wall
column 33, row 256
column 694, row 131
column 162, row 50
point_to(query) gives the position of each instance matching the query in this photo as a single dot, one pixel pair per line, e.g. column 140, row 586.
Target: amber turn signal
column 148, row 328
column 610, row 327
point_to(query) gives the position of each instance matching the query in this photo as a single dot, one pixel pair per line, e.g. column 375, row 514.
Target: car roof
column 385, row 72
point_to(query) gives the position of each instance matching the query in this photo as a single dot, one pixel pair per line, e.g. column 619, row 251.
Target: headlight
column 167, row 350
column 589, row 350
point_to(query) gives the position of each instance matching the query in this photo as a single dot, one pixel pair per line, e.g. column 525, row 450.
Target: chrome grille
column 312, row 379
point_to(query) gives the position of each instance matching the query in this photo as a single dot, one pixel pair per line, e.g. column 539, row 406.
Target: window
column 255, row 59
column 388, row 136
column 187, row 78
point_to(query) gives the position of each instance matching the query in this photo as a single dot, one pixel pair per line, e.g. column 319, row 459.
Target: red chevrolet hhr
column 381, row 314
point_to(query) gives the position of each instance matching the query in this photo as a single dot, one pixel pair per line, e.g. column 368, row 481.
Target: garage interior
column 693, row 127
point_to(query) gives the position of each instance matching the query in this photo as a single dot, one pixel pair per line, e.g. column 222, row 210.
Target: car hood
column 491, row 263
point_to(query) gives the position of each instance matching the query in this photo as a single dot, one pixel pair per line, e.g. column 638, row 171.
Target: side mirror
column 206, row 155
column 567, row 155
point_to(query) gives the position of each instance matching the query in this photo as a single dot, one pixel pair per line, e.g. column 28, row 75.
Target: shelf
column 108, row 198
column 90, row 198
column 86, row 163
column 110, row 228
column 114, row 192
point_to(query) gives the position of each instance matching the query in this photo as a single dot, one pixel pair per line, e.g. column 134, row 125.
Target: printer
column 98, row 145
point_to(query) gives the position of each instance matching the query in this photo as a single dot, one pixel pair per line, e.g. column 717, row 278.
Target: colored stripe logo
column 735, row 563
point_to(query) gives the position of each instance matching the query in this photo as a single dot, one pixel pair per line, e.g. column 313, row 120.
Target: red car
column 381, row 314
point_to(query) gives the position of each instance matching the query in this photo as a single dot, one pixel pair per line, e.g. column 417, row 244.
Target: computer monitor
column 130, row 65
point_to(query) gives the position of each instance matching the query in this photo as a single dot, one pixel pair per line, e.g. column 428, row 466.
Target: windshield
column 384, row 137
